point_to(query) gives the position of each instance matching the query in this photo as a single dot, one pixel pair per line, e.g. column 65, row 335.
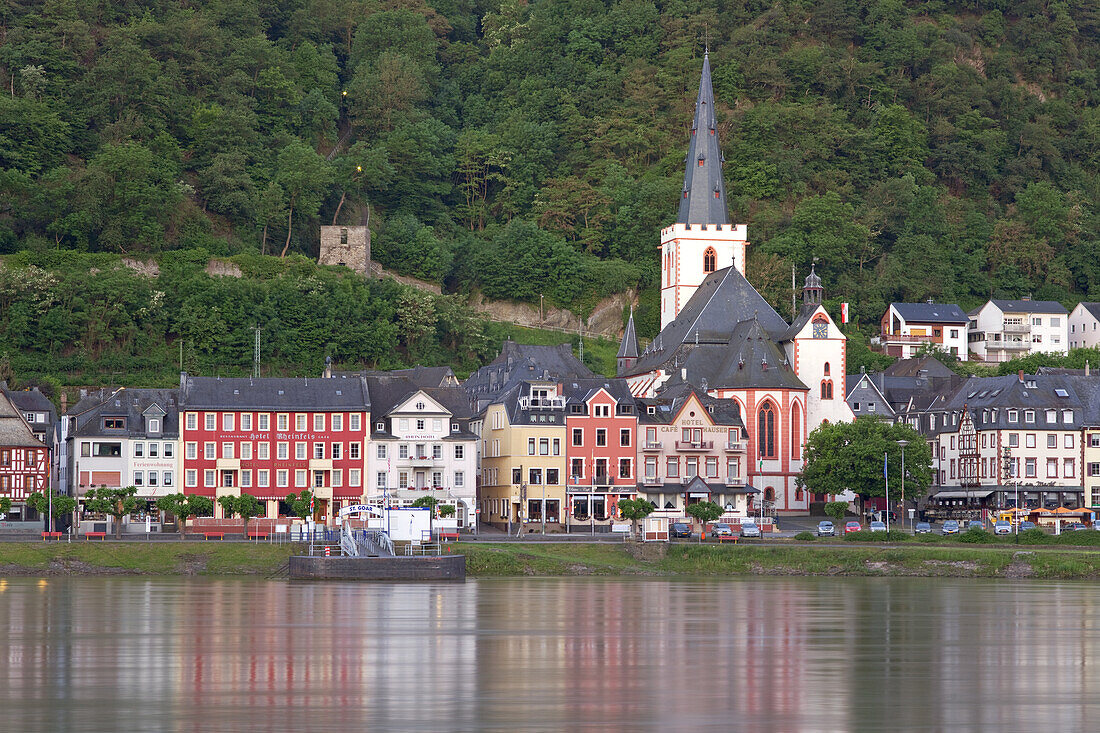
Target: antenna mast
column 256, row 353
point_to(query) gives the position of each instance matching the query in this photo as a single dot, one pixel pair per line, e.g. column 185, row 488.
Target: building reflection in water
column 802, row 654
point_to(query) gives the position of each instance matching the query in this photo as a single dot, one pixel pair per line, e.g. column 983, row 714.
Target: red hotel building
column 272, row 437
column 601, row 450
column 24, row 459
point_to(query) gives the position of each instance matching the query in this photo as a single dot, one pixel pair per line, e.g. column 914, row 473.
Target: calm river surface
column 802, row 654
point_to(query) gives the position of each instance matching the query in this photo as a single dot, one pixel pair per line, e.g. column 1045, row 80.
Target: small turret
column 812, row 291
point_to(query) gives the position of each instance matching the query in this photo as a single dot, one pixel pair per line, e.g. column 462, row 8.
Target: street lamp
column 902, row 443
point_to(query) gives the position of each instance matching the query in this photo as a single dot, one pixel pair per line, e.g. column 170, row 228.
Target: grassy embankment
column 143, row 558
column 571, row 559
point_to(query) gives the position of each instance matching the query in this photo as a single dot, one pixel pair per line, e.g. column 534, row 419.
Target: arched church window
column 826, row 389
column 796, row 431
column 765, row 433
column 710, row 260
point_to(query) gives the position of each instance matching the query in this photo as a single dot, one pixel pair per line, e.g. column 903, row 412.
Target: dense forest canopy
column 915, row 148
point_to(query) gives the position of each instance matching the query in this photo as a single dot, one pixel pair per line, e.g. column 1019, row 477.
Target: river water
column 782, row 654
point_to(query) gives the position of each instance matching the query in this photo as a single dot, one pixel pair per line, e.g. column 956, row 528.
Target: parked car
column 878, row 526
column 1002, row 528
column 680, row 529
column 922, row 528
column 826, row 529
column 1075, row 527
column 853, row 526
column 1096, row 525
column 950, row 527
column 974, row 524
column 749, row 529
column 1025, row 526
column 721, row 529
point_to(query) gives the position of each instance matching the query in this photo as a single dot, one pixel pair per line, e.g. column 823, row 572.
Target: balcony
column 1009, row 344
column 735, row 446
column 897, row 338
column 685, row 480
column 1017, row 328
column 601, row 479
column 652, row 481
column 735, row 481
column 694, row 445
column 423, row 459
column 542, row 403
column 647, row 446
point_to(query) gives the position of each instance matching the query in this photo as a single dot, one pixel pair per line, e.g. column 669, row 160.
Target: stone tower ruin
column 346, row 245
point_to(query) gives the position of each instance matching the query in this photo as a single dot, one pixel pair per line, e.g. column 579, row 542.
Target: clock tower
column 702, row 240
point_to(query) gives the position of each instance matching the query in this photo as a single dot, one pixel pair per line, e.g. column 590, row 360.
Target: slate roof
column 577, row 391
column 32, row 400
column 930, row 313
column 14, row 431
column 750, row 358
column 805, row 313
column 1038, row 392
column 390, row 390
column 667, row 405
column 703, row 165
column 1029, row 306
column 274, row 393
column 722, row 301
column 130, row 403
column 628, row 349
column 928, row 366
column 424, row 376
column 523, row 362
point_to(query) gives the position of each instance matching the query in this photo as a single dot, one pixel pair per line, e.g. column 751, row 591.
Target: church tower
column 702, row 240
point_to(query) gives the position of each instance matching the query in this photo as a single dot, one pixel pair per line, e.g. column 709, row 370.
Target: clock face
column 821, row 330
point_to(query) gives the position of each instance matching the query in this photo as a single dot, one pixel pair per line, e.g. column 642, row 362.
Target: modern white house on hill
column 1002, row 330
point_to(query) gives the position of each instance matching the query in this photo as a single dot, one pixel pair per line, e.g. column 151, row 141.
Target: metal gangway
column 365, row 543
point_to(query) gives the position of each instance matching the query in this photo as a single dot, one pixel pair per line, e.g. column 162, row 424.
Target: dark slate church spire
column 628, row 350
column 703, row 199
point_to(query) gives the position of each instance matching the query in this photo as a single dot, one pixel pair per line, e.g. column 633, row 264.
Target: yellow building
column 523, row 466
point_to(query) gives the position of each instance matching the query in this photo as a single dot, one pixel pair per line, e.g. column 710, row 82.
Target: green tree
column 849, row 456
column 5, row 505
column 706, row 512
column 182, row 507
column 245, row 506
column 305, row 177
column 837, row 510
column 301, row 504
column 635, row 510
column 62, row 505
column 116, row 503
column 426, row 502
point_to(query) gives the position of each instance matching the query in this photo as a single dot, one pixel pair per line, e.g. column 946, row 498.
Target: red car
column 852, row 527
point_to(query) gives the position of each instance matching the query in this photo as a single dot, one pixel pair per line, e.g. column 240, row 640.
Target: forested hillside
column 917, row 148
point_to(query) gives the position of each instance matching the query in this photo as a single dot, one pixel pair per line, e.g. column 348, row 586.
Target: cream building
column 523, row 459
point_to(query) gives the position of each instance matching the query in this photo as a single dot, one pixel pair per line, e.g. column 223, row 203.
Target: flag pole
column 886, row 476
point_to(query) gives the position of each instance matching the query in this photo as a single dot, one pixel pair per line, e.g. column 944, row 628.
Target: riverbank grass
column 143, row 558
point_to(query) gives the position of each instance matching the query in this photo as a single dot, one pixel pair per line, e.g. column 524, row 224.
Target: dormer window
column 114, row 423
column 154, row 425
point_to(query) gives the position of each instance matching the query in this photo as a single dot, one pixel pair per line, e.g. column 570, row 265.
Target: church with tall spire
column 719, row 335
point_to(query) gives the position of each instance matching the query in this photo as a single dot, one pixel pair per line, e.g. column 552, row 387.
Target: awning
column 974, row 494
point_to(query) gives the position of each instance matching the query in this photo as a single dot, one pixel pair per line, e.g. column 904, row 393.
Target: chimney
column 863, row 370
column 1086, row 367
column 1021, row 376
column 328, row 368
column 65, row 398
column 930, row 301
column 1026, row 297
